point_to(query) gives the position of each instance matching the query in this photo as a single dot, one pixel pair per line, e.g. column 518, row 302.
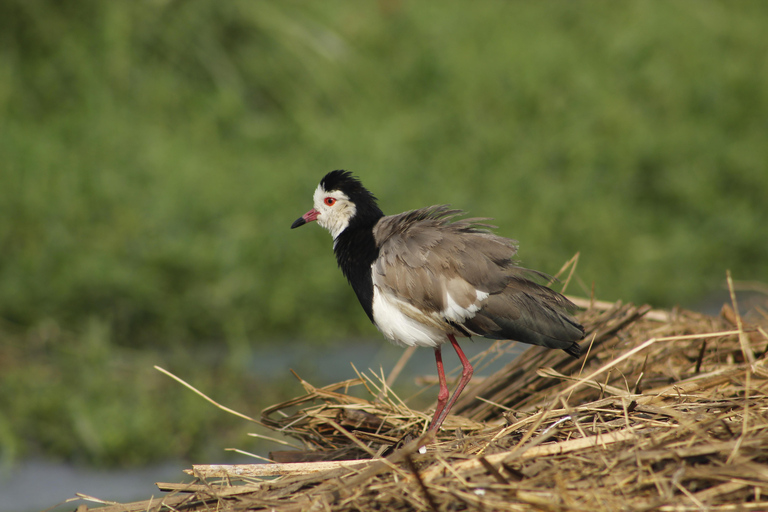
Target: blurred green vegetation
column 154, row 154
column 85, row 400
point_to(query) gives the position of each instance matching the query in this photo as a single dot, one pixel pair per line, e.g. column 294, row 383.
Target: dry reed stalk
column 667, row 411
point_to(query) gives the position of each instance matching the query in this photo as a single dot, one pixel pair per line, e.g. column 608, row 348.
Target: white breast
column 402, row 329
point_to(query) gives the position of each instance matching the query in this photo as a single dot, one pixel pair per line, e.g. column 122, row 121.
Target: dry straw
column 668, row 411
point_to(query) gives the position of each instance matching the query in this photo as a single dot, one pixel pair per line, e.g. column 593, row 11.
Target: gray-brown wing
column 433, row 263
column 460, row 273
column 530, row 313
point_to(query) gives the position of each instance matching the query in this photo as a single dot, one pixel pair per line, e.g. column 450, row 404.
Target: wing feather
column 432, row 262
column 459, row 273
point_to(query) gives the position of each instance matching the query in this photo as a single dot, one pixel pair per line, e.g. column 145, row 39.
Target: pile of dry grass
column 667, row 411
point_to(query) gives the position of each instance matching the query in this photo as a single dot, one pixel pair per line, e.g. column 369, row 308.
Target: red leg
column 442, row 395
column 466, row 375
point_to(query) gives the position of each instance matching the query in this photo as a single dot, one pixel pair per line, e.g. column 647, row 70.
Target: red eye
column 330, row 201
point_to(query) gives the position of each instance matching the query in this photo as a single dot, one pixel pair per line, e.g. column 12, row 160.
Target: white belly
column 400, row 328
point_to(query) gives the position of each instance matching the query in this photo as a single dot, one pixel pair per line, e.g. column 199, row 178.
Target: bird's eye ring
column 330, row 201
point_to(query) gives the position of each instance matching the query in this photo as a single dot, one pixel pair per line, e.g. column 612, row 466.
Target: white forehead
column 321, row 193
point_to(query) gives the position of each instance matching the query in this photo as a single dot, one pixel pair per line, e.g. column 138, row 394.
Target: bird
column 425, row 277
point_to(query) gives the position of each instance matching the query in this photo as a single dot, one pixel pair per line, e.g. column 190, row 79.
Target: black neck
column 356, row 250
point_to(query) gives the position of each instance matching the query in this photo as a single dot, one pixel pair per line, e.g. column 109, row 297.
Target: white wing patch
column 457, row 314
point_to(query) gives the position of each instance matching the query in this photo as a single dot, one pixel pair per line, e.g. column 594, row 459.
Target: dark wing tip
column 574, row 350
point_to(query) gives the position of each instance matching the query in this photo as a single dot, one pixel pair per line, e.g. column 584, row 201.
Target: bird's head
column 340, row 200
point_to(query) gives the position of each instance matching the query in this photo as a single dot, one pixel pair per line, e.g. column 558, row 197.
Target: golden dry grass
column 667, row 411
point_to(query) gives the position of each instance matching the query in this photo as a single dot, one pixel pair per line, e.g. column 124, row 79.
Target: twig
column 263, row 470
column 404, row 358
column 541, row 451
column 422, row 485
column 222, row 407
column 746, row 348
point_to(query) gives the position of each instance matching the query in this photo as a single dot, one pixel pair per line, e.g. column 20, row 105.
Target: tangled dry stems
column 668, row 411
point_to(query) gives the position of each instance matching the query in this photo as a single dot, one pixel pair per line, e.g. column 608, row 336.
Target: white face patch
column 335, row 210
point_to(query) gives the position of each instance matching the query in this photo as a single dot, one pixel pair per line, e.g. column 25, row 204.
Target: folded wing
column 463, row 279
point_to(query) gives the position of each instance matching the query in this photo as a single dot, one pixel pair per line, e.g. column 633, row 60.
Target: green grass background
column 153, row 155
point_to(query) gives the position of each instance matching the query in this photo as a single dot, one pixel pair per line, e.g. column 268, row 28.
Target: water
column 326, row 365
column 34, row 485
